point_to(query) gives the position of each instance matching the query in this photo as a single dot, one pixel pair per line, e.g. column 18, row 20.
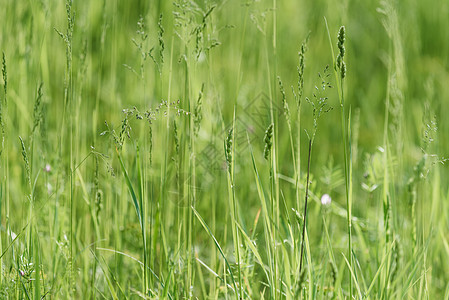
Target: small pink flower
column 47, row 168
column 326, row 199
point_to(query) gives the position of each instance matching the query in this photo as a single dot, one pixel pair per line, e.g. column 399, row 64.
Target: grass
column 190, row 149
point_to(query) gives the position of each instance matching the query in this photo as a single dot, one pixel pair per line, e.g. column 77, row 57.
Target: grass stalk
column 305, row 208
column 160, row 205
column 4, row 186
column 230, row 159
column 339, row 78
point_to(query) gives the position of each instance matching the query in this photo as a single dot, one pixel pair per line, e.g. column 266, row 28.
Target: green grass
column 180, row 150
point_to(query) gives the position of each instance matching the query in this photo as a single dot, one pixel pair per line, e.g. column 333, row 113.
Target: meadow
column 239, row 149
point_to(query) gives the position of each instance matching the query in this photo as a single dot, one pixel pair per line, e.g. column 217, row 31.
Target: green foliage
column 156, row 90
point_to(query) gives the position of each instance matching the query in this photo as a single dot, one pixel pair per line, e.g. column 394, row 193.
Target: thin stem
column 339, row 84
column 305, row 207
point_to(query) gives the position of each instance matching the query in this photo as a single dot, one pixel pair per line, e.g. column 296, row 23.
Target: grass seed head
column 176, row 136
column 341, row 41
column 268, row 141
column 228, row 147
column 197, row 114
column 27, row 162
column 284, row 101
column 343, row 70
column 98, row 191
column 160, row 36
column 150, row 133
column 5, row 75
column 300, row 69
column 341, row 47
column 37, row 114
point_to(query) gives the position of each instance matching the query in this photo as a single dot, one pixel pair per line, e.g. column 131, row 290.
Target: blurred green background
column 394, row 49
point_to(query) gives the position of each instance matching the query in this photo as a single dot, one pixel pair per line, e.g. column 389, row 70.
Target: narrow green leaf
column 353, row 277
column 130, row 187
column 203, row 223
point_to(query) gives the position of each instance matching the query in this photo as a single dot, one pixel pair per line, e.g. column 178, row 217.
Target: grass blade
column 130, row 187
column 203, row 223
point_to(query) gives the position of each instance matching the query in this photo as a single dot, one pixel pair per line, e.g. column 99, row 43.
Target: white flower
column 47, row 168
column 326, row 199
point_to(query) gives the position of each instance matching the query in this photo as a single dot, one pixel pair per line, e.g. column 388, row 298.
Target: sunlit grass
column 202, row 150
